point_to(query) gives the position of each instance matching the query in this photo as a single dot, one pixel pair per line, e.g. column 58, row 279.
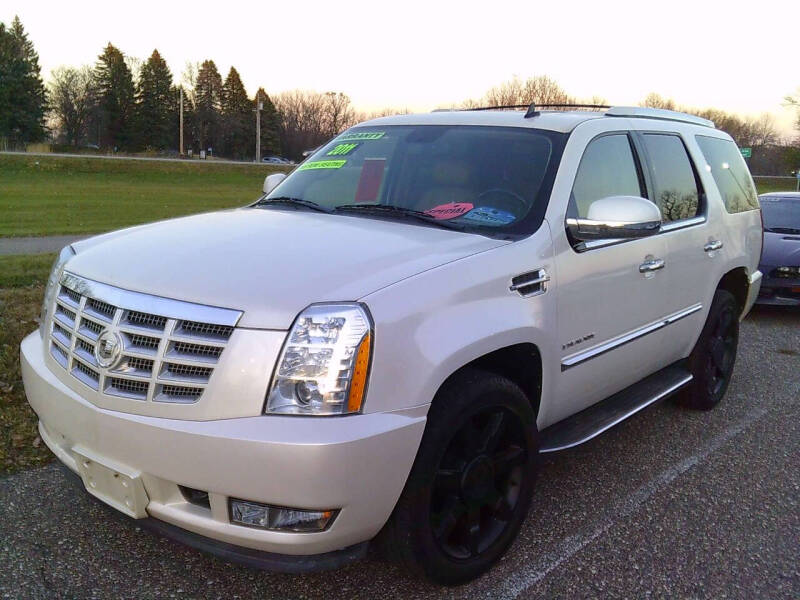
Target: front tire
column 472, row 481
column 713, row 357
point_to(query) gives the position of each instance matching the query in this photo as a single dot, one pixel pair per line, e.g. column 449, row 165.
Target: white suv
column 388, row 339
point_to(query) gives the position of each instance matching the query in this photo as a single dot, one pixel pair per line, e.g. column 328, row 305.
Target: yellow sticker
column 342, row 149
column 322, row 164
column 356, row 136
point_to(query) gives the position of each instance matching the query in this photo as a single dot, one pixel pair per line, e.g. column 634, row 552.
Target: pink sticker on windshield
column 450, row 210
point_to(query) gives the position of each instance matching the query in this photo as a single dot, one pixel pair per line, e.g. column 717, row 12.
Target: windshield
column 780, row 214
column 473, row 178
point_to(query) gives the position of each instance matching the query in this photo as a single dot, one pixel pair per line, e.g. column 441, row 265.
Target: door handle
column 649, row 266
column 712, row 245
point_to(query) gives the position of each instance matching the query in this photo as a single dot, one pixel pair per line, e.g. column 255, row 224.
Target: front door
column 611, row 294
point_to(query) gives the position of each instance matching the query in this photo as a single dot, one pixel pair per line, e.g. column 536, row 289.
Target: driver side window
column 607, row 169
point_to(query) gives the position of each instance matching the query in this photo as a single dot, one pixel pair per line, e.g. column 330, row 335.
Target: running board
column 591, row 422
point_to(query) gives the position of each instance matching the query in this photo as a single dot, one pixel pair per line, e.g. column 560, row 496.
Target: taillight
column 761, row 254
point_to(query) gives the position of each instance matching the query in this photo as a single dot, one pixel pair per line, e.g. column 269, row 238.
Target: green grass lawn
column 22, row 280
column 765, row 185
column 59, row 195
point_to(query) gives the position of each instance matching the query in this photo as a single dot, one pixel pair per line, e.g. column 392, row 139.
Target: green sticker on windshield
column 342, row 149
column 322, row 164
column 370, row 135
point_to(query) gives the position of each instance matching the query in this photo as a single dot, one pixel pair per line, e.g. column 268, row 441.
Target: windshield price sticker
column 371, row 135
column 449, row 211
column 487, row 215
column 342, row 149
column 322, row 164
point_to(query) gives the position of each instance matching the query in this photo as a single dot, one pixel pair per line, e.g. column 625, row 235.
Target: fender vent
column 531, row 283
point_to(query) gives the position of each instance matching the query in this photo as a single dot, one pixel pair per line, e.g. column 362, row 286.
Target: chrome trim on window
column 673, row 225
column 581, row 357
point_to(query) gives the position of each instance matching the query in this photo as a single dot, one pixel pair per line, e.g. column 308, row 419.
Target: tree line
column 122, row 104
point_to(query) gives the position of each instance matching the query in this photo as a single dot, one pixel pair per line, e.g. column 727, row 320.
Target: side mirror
column 617, row 217
column 272, row 181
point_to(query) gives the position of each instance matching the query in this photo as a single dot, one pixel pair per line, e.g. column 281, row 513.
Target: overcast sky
column 738, row 56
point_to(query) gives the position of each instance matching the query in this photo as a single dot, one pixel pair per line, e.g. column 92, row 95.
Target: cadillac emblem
column 108, row 348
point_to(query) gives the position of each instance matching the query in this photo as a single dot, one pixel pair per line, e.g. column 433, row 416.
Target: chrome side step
column 596, row 419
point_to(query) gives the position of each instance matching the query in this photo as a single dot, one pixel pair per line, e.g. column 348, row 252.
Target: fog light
column 276, row 518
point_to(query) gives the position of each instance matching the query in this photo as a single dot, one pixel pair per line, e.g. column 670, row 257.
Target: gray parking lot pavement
column 672, row 503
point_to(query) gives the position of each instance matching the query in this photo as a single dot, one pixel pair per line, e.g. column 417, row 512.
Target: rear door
column 692, row 244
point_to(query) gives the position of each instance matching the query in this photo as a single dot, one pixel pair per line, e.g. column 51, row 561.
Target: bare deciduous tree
column 654, row 100
column 540, row 89
column 71, row 101
column 308, row 118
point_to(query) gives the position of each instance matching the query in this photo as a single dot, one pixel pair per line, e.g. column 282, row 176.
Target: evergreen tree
column 22, row 93
column 155, row 104
column 237, row 118
column 208, row 100
column 270, row 122
column 115, row 99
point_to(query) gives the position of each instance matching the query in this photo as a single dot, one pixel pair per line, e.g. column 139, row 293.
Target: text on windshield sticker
column 342, row 149
column 450, row 210
column 322, row 164
column 367, row 135
column 486, row 215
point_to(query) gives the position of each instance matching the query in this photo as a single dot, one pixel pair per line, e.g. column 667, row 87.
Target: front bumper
column 357, row 464
column 779, row 292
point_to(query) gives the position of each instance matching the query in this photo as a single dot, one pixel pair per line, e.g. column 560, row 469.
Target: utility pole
column 181, row 136
column 258, row 109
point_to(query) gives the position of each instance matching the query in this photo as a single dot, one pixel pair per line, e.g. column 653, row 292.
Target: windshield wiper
column 391, row 209
column 289, row 201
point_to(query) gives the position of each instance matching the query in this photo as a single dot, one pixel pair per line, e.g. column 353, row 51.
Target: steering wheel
column 519, row 202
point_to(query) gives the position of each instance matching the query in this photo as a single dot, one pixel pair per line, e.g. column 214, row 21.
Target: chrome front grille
column 162, row 351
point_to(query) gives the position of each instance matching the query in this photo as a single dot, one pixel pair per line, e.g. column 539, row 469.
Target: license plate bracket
column 115, row 484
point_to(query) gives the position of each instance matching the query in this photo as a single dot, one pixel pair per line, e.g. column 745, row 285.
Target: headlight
column 52, row 283
column 322, row 369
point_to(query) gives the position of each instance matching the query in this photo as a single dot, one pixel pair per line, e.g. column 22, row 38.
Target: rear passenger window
column 607, row 169
column 730, row 173
column 674, row 183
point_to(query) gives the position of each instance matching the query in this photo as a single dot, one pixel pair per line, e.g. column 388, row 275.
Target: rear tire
column 713, row 357
column 472, row 481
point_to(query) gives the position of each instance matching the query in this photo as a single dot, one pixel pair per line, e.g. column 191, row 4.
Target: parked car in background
column 276, row 160
column 780, row 260
column 387, row 340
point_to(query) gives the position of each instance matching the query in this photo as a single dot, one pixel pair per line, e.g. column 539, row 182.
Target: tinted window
column 781, row 215
column 674, row 184
column 607, row 169
column 730, row 173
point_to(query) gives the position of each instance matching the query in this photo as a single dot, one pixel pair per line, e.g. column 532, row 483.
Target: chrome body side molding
column 581, row 357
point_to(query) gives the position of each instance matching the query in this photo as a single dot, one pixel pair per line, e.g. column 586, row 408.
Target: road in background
column 210, row 161
column 36, row 245
column 672, row 503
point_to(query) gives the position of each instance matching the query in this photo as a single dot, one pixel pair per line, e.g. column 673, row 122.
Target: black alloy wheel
column 472, row 480
column 714, row 355
column 477, row 483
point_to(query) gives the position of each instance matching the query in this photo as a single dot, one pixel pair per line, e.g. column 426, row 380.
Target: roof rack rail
column 533, row 109
column 658, row 113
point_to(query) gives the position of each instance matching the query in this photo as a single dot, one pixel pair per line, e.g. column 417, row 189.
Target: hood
column 268, row 263
column 780, row 250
